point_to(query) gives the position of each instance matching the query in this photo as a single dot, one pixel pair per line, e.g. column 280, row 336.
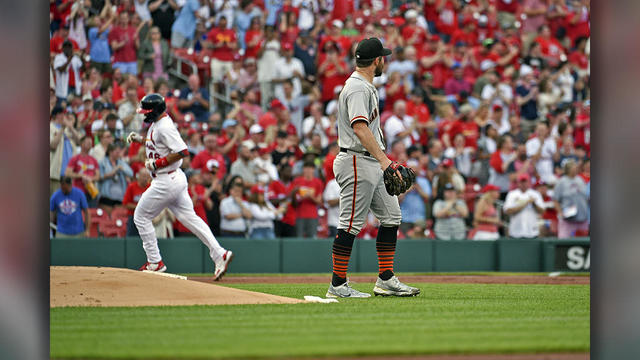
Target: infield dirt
column 104, row 286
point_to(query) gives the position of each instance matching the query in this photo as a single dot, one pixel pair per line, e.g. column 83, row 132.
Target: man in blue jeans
column 65, row 209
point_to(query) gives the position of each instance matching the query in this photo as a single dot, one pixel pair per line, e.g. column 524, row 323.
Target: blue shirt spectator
column 242, row 21
column 114, row 172
column 413, row 206
column 272, row 7
column 100, row 51
column 528, row 110
column 185, row 23
column 189, row 102
column 66, row 206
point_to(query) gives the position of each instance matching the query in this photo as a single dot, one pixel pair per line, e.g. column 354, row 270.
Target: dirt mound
column 104, row 286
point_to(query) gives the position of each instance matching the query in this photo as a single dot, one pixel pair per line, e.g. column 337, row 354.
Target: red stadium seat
column 113, row 228
column 120, row 213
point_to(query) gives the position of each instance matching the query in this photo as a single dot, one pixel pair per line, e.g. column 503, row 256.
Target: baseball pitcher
column 165, row 150
column 367, row 178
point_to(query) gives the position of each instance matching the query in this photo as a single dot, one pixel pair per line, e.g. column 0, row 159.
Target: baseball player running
column 165, row 150
column 367, row 178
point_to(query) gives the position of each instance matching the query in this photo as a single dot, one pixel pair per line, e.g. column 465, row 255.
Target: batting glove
column 150, row 164
column 134, row 137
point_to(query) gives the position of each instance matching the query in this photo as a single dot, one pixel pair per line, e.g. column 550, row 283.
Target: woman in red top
column 485, row 216
column 253, row 38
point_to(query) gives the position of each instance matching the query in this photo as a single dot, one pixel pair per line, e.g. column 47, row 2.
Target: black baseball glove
column 394, row 184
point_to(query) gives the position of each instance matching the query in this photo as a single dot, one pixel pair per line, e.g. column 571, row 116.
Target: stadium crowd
column 487, row 100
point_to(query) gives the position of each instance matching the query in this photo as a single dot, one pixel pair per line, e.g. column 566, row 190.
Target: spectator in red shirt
column 335, row 36
column 224, row 44
column 253, row 38
column 56, row 41
column 468, row 127
column 579, row 57
column 308, row 195
column 280, row 195
column 467, row 34
column 132, row 196
column 205, row 158
column 447, row 21
column 83, row 169
column 332, row 72
column 578, row 21
column 550, row 47
column 412, row 33
column 201, row 200
column 449, row 126
column 434, row 59
column 422, row 117
column 122, row 39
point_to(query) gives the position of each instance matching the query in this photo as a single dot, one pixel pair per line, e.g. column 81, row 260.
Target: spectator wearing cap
column 205, row 159
column 155, row 55
column 184, row 25
column 524, row 206
column 244, row 166
column 63, row 138
column 457, row 84
column 195, row 99
column 571, row 202
column 449, row 213
column 486, row 218
column 413, row 202
column 234, row 212
column 132, row 195
column 412, row 32
column 66, row 208
column 527, row 93
column 500, row 94
column 262, row 215
column 542, row 149
column 501, row 164
column 83, row 168
column 201, row 198
column 400, row 126
column 67, row 67
column 316, row 123
column 268, row 56
column 114, row 175
column 122, row 39
column 99, row 51
column 308, row 195
column 224, row 43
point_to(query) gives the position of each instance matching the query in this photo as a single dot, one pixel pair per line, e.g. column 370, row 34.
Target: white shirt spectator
column 127, row 109
column 62, row 77
column 395, row 125
column 332, row 192
column 225, row 8
column 507, row 93
column 307, row 9
column 267, row 63
column 228, row 206
column 404, row 67
column 261, row 216
column 142, row 9
column 100, row 124
column 565, row 82
column 285, row 69
column 309, row 125
column 544, row 166
column 523, row 224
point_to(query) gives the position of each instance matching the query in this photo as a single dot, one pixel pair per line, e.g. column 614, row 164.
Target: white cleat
column 393, row 287
column 222, row 265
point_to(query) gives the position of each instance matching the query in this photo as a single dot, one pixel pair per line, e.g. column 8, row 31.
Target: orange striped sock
column 341, row 253
column 386, row 249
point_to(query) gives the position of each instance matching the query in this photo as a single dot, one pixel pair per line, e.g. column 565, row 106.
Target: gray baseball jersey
column 359, row 176
column 358, row 100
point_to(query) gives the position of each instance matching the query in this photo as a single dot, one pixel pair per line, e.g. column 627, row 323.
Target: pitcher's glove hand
column 134, row 137
column 395, row 184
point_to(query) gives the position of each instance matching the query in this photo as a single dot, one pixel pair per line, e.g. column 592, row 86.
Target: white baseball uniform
column 169, row 189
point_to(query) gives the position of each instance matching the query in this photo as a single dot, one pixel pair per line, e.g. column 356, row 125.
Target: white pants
column 170, row 190
column 486, row 235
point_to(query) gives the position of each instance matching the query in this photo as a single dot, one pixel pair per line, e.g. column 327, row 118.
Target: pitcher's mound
column 104, row 286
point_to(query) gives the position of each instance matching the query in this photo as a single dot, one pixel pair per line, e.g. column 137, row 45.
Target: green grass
column 445, row 318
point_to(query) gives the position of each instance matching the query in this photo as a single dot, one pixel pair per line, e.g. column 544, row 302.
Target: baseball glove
column 393, row 183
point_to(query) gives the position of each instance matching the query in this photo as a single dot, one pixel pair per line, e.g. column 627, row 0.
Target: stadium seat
column 120, row 213
column 113, row 228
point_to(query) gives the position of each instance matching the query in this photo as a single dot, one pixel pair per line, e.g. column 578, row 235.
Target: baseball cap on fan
column 371, row 48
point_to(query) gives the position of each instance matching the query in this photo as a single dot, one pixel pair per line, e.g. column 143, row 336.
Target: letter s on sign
column 575, row 256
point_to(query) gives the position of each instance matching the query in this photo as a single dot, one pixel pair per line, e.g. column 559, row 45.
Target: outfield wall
column 293, row 255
